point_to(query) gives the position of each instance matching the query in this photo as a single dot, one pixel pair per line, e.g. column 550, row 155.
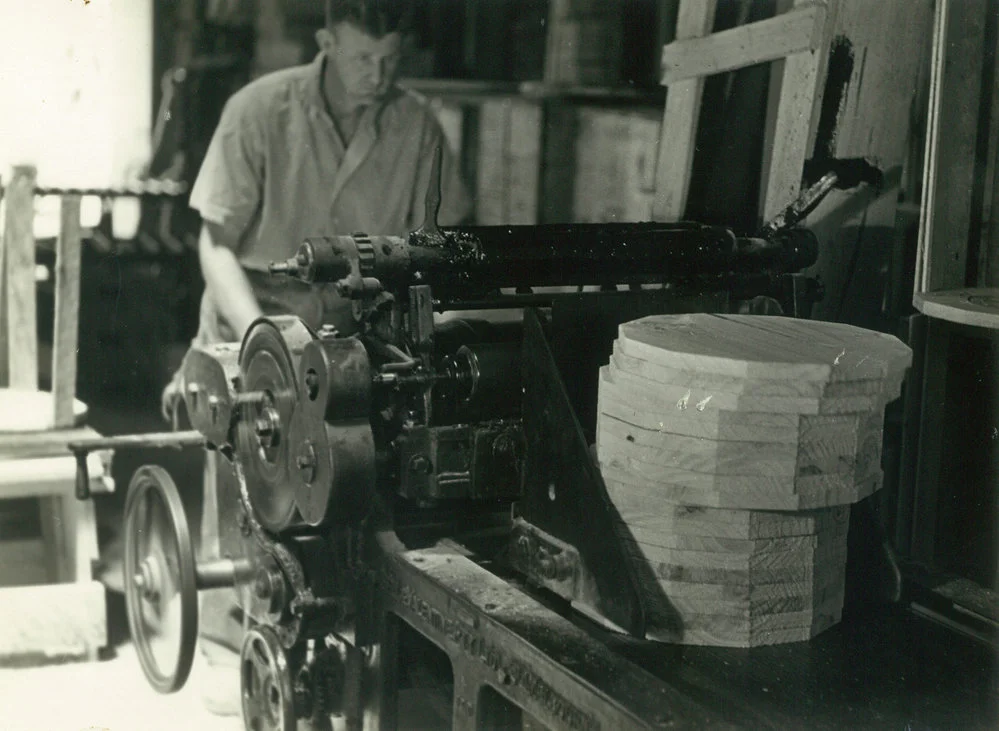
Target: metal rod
column 152, row 440
column 222, row 573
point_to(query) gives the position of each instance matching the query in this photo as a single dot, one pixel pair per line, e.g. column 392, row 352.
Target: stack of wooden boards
column 732, row 447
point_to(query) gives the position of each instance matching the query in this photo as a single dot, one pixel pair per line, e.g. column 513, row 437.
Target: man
column 333, row 147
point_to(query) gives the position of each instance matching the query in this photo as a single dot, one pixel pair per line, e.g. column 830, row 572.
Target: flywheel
column 161, row 594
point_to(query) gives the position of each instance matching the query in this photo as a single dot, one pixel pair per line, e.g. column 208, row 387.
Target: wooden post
column 20, row 325
column 679, row 131
column 795, row 100
column 67, row 309
column 951, row 142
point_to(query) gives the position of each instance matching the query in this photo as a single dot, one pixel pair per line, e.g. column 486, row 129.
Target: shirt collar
column 316, row 100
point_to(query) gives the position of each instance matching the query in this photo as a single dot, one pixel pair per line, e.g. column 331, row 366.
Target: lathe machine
column 410, row 515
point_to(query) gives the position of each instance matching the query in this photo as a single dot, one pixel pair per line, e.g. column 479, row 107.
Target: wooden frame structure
column 797, row 41
column 56, row 611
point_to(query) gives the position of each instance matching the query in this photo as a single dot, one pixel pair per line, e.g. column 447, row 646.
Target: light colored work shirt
column 277, row 172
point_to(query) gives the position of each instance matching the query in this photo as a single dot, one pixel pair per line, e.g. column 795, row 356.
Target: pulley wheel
column 161, row 596
column 334, row 468
column 268, row 363
column 266, row 684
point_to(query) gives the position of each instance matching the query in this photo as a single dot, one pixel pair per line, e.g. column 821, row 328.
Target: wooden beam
column 19, row 244
column 952, row 146
column 67, row 312
column 679, row 129
column 791, row 129
column 52, row 476
column 747, row 45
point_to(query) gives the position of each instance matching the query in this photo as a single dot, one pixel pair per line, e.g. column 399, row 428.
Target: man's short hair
column 377, row 18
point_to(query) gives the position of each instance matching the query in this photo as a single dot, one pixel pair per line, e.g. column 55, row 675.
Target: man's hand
column 170, row 400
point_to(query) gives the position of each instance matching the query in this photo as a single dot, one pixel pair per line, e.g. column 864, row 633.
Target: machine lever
column 82, row 448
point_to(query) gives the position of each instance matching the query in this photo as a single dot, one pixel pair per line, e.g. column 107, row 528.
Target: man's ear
column 326, row 40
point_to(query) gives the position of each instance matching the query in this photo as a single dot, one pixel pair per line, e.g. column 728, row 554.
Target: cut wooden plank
column 739, row 458
column 723, row 633
column 974, row 307
column 52, row 476
column 825, row 584
column 648, row 533
column 638, row 511
column 67, row 313
column 748, row 496
column 748, row 346
column 663, row 538
column 753, row 387
column 683, row 102
column 720, row 425
column 705, row 399
column 19, row 245
column 784, row 166
column 763, row 564
column 839, row 450
column 745, row 609
column 663, row 571
column 669, row 480
column 798, row 30
column 53, row 621
column 692, row 418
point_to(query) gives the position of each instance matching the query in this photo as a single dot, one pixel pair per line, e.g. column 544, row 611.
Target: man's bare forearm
column 226, row 281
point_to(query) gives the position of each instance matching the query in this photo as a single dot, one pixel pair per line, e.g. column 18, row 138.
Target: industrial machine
column 410, row 515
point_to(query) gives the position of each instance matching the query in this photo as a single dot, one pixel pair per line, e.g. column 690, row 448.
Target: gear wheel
column 365, row 254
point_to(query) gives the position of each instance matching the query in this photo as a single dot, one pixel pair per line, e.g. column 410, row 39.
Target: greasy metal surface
column 334, row 378
column 564, row 493
column 482, row 258
column 540, row 661
column 334, row 472
column 209, row 389
column 161, row 595
column 268, row 363
column 332, row 446
column 552, row 564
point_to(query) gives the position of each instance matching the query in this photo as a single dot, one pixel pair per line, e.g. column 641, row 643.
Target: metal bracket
column 564, row 493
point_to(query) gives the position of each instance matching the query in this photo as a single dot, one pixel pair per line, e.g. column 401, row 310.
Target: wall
column 76, row 90
column 76, row 85
column 884, row 44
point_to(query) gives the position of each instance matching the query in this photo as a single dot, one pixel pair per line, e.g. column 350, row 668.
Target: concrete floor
column 109, row 695
column 113, row 694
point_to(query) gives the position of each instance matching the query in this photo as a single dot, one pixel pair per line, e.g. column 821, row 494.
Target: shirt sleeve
column 456, row 203
column 228, row 189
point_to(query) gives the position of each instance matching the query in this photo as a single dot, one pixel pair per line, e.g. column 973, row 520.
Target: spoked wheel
column 161, row 595
column 266, row 685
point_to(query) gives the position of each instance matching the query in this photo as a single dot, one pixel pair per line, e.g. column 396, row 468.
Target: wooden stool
column 52, row 607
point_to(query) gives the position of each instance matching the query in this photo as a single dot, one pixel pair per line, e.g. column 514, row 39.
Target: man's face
column 366, row 65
